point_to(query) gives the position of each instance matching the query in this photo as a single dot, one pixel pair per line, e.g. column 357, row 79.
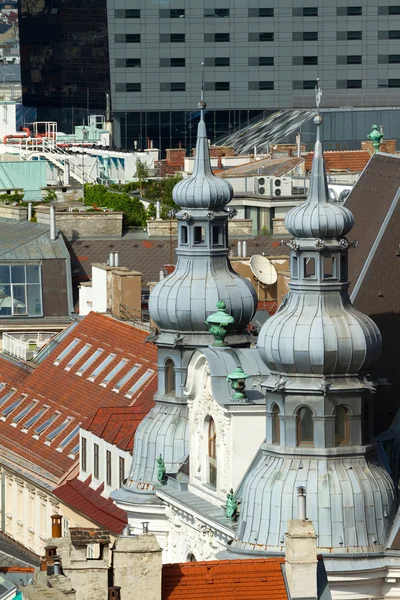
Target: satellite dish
column 263, row 269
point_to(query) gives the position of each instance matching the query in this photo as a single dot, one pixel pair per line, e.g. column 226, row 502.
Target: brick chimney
column 301, row 560
column 176, row 156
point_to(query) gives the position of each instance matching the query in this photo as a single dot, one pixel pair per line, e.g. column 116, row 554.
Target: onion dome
column 319, row 334
column 202, row 189
column 318, row 217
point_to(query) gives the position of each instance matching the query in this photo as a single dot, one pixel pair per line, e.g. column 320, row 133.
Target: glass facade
column 64, row 55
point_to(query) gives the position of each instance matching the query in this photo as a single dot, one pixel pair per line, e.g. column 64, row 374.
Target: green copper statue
column 237, row 380
column 160, row 469
column 218, row 324
column 376, row 138
column 231, row 506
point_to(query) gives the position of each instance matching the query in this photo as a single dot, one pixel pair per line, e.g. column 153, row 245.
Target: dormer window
column 169, row 376
column 329, row 267
column 309, row 267
column 217, row 236
column 184, row 234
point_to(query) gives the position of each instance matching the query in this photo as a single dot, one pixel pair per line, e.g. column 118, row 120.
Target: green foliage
column 151, row 211
column 11, row 198
column 265, row 230
column 142, row 173
column 98, row 196
column 51, row 196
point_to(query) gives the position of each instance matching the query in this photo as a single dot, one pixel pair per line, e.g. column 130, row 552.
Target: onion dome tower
column 203, row 275
column 318, row 397
column 180, row 305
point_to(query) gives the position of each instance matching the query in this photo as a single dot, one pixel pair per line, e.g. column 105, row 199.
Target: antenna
column 263, row 270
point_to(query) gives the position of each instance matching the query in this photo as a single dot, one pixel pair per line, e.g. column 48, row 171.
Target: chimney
column 56, row 529
column 114, row 592
column 29, row 211
column 53, row 222
column 239, row 249
column 116, row 259
column 244, row 248
column 66, row 172
column 301, row 555
column 301, row 503
column 142, row 556
column 111, row 259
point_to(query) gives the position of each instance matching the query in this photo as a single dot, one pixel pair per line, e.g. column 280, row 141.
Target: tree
column 142, row 173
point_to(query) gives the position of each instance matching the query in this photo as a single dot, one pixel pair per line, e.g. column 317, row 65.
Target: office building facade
column 258, row 58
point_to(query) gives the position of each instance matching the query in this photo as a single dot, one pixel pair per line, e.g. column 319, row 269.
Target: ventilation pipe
column 145, row 525
column 111, row 259
column 116, row 259
column 29, row 211
column 52, row 222
column 239, row 249
column 244, row 248
column 301, row 503
column 158, row 212
column 255, row 152
column 66, row 172
column 298, row 142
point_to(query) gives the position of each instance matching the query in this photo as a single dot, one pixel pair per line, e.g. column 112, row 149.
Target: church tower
column 318, row 349
column 180, row 305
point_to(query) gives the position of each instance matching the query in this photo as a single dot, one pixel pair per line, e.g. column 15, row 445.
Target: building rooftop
column 117, row 425
column 102, row 362
column 23, row 240
column 276, row 167
column 349, row 161
column 248, row 579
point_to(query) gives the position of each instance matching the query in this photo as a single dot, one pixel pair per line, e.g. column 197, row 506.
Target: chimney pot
column 52, row 222
column 111, row 259
column 145, row 525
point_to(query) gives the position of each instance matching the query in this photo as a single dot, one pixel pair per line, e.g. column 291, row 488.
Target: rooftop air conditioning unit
column 260, row 187
column 281, row 186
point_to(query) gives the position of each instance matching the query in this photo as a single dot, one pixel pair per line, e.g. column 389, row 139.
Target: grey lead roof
column 23, row 240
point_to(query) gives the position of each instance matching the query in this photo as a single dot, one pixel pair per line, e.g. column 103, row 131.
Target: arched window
column 341, row 425
column 169, row 376
column 305, row 427
column 212, row 453
column 191, row 557
column 276, row 425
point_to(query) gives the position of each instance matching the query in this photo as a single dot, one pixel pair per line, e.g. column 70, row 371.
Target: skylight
column 67, row 350
column 50, row 436
column 126, row 378
column 90, row 361
column 35, row 418
column 102, row 366
column 52, row 344
column 12, row 406
column 74, row 451
column 78, row 356
column 39, row 430
column 136, row 386
column 69, row 437
column 7, row 396
column 2, row 386
column 23, row 413
column 114, row 372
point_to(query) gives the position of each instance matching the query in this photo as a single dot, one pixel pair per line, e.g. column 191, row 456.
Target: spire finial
column 202, row 105
column 318, row 96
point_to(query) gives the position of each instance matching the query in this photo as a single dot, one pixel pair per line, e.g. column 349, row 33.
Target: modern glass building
column 259, row 57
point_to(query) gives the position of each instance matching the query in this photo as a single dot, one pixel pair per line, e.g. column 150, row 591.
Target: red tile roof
column 118, row 425
column 102, row 511
column 73, row 396
column 249, row 579
column 351, row 161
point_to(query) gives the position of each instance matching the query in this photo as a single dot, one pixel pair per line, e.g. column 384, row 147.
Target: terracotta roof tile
column 247, row 579
column 67, row 395
column 351, row 161
column 102, row 511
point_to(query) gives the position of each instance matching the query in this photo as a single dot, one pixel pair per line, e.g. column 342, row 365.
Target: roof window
column 126, row 378
column 74, row 451
column 114, row 372
column 90, row 361
column 69, row 438
column 39, row 430
column 145, row 377
column 12, row 407
column 50, row 436
column 23, row 413
column 35, row 418
column 78, row 356
column 67, row 350
column 7, row 396
column 102, row 366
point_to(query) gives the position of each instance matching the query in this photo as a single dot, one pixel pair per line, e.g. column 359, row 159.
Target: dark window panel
column 261, row 12
column 131, row 13
column 216, row 12
column 354, row 59
column 354, row 83
column 310, row 60
column 132, row 62
column 305, row 11
column 393, row 58
column 222, row 86
column 265, row 85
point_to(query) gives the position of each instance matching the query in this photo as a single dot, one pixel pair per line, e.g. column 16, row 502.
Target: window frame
column 212, row 470
column 299, row 440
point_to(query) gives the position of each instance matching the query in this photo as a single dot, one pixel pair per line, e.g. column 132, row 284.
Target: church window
column 309, row 267
column 199, row 235
column 341, row 425
column 276, row 425
column 169, row 376
column 305, row 426
column 212, row 454
column 184, row 234
column 295, row 267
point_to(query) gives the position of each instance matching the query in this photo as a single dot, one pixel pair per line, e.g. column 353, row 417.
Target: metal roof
column 23, row 240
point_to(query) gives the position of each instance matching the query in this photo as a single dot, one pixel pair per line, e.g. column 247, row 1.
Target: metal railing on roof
column 24, row 346
column 134, row 315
